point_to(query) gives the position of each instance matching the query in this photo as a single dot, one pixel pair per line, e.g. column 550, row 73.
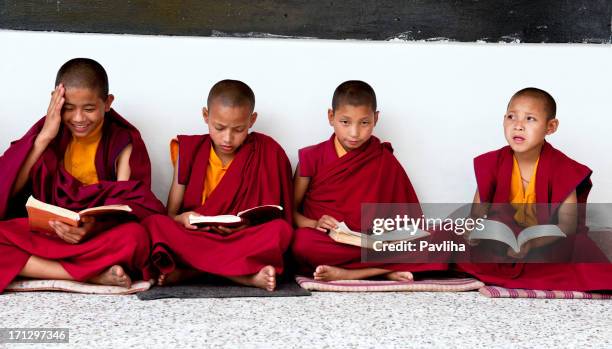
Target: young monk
column 335, row 177
column 81, row 154
column 224, row 172
column 529, row 172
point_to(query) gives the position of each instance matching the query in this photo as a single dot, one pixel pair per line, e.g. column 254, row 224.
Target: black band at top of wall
column 530, row 21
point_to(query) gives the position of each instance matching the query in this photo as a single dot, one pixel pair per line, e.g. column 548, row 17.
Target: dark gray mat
column 287, row 288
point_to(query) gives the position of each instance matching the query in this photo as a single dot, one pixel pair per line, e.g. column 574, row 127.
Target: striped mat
column 501, row 292
column 75, row 287
column 438, row 285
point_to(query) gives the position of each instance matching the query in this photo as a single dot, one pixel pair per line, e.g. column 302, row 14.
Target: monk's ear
column 108, row 102
column 551, row 126
column 205, row 114
column 376, row 117
column 330, row 116
column 253, row 119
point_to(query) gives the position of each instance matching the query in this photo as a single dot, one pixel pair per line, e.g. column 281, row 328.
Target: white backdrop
column 441, row 103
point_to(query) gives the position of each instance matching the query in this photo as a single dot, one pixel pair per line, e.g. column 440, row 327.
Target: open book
column 344, row 235
column 494, row 230
column 252, row 216
column 40, row 213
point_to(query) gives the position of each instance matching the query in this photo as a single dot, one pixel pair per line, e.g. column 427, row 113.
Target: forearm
column 302, row 221
column 40, row 145
column 544, row 241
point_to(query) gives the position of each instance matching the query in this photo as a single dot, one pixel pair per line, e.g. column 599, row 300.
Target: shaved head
column 83, row 73
column 231, row 93
column 355, row 93
column 550, row 106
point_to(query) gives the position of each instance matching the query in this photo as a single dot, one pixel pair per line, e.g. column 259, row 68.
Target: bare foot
column 329, row 273
column 399, row 276
column 265, row 278
column 177, row 276
column 113, row 276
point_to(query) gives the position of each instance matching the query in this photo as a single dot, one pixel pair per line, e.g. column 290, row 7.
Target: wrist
column 42, row 141
column 314, row 224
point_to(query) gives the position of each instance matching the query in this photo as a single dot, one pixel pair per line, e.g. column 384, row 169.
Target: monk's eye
column 219, row 128
column 510, row 116
column 531, row 118
column 239, row 129
column 344, row 122
column 365, row 123
column 89, row 110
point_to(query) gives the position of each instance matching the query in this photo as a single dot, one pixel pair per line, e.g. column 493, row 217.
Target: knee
column 153, row 220
column 302, row 242
column 135, row 236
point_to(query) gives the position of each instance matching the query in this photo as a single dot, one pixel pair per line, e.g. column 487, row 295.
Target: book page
column 494, row 230
column 52, row 210
column 221, row 219
column 105, row 209
column 400, row 235
column 258, row 208
column 538, row 231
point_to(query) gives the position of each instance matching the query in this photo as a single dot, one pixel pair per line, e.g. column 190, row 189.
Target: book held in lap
column 252, row 216
column 343, row 234
column 498, row 231
column 40, row 213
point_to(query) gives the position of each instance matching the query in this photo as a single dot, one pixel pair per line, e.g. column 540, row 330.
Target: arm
column 479, row 209
column 175, row 202
column 300, row 185
column 48, row 132
column 122, row 164
column 568, row 222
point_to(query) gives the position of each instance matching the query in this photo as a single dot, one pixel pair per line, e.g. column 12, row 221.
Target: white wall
column 441, row 103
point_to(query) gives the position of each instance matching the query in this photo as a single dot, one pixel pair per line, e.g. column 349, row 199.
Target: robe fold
column 260, row 174
column 557, row 176
column 126, row 244
column 338, row 188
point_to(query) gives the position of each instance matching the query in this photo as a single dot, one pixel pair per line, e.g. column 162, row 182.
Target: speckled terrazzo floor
column 323, row 320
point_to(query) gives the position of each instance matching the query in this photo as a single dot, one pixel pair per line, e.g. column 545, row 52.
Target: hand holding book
column 71, row 226
column 326, row 223
column 252, row 216
column 184, row 220
column 71, row 234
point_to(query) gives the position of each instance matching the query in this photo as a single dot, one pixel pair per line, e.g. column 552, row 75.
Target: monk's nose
column 227, row 138
column 518, row 125
column 78, row 116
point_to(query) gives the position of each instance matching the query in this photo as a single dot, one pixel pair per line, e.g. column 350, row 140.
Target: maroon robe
column 557, row 176
column 260, row 174
column 338, row 187
column 126, row 244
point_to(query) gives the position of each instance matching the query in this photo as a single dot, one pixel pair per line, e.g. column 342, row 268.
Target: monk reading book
column 541, row 186
column 222, row 173
column 82, row 154
column 332, row 181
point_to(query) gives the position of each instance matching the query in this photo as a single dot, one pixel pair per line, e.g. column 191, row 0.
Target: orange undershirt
column 523, row 199
column 339, row 148
column 214, row 171
column 80, row 156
